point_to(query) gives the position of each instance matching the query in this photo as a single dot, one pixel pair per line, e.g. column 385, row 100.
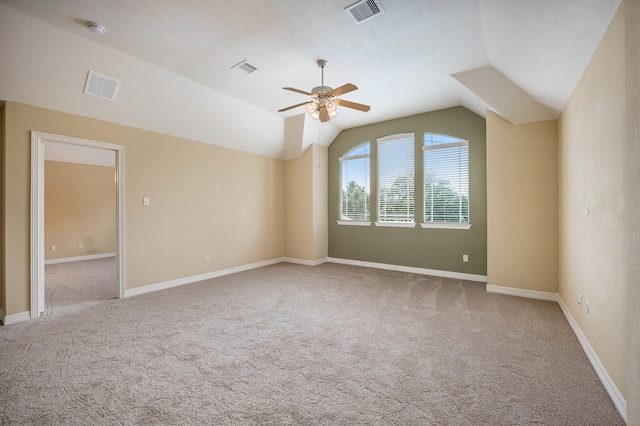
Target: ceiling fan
column 324, row 100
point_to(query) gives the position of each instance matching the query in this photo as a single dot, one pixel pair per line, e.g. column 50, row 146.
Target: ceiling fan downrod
column 322, row 88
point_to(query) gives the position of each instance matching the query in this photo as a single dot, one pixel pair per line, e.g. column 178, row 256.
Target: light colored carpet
column 74, row 285
column 290, row 344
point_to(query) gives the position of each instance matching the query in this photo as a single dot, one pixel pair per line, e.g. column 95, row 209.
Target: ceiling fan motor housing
column 321, row 89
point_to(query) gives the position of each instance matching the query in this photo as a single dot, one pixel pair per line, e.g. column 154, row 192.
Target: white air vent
column 101, row 86
column 244, row 66
column 364, row 10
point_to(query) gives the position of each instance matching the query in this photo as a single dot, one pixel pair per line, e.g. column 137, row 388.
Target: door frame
column 38, row 140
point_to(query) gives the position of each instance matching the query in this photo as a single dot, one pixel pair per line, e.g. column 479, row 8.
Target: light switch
column 145, row 201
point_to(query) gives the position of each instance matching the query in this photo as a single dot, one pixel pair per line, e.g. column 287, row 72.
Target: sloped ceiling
column 402, row 61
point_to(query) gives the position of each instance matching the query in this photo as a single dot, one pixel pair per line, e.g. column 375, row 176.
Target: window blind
column 446, row 179
column 396, row 178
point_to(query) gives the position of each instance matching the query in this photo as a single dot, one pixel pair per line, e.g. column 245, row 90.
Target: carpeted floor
column 74, row 285
column 290, row 344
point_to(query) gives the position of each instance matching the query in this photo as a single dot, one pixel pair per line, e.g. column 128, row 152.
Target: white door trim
column 37, row 212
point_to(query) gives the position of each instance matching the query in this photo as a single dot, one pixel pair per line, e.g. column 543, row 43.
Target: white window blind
column 396, row 180
column 446, row 179
column 354, row 184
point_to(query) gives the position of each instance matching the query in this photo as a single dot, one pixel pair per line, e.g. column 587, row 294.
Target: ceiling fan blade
column 297, row 91
column 324, row 115
column 345, row 88
column 354, row 105
column 292, row 106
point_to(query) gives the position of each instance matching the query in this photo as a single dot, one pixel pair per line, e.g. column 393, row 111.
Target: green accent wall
column 2, row 249
column 439, row 249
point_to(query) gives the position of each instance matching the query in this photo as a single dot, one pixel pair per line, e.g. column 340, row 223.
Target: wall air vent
column 364, row 10
column 244, row 66
column 101, row 86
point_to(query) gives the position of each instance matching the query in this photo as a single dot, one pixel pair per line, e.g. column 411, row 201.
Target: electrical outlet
column 80, row 245
column 569, row 287
column 579, row 300
column 206, row 258
column 53, row 248
column 465, row 257
column 586, row 306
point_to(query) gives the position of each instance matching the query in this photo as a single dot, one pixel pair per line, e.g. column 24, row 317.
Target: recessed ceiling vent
column 101, row 86
column 245, row 66
column 364, row 10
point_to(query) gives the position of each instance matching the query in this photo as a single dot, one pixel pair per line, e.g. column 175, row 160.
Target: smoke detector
column 97, row 29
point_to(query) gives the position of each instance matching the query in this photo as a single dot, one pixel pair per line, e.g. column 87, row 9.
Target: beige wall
column 204, row 200
column 632, row 206
column 80, row 207
column 306, row 205
column 592, row 140
column 299, row 207
column 522, row 204
column 320, row 201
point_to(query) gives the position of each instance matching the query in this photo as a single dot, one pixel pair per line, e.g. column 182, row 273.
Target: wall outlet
column 465, row 257
column 579, row 300
column 206, row 258
column 80, row 245
column 586, row 306
column 53, row 248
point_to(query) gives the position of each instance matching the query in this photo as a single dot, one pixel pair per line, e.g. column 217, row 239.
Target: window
column 396, row 180
column 446, row 181
column 354, row 186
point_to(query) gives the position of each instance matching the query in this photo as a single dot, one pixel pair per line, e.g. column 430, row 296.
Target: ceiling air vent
column 244, row 66
column 364, row 10
column 101, row 86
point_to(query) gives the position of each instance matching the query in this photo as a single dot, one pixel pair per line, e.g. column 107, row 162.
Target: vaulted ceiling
column 418, row 56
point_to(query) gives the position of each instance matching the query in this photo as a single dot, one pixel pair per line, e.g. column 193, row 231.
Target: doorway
column 38, row 142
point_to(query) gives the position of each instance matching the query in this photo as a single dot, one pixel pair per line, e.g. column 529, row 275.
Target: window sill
column 354, row 222
column 397, row 224
column 446, row 225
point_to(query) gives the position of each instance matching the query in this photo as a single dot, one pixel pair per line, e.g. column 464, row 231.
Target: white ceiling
column 402, row 60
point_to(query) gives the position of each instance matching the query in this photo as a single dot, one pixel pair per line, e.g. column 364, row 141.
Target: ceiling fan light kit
column 324, row 103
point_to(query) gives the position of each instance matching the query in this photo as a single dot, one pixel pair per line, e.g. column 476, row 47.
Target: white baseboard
column 411, row 269
column 530, row 294
column 16, row 318
column 196, row 278
column 78, row 258
column 305, row 262
column 607, row 382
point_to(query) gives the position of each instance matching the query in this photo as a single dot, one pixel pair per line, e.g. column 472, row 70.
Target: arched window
column 354, row 185
column 446, row 179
